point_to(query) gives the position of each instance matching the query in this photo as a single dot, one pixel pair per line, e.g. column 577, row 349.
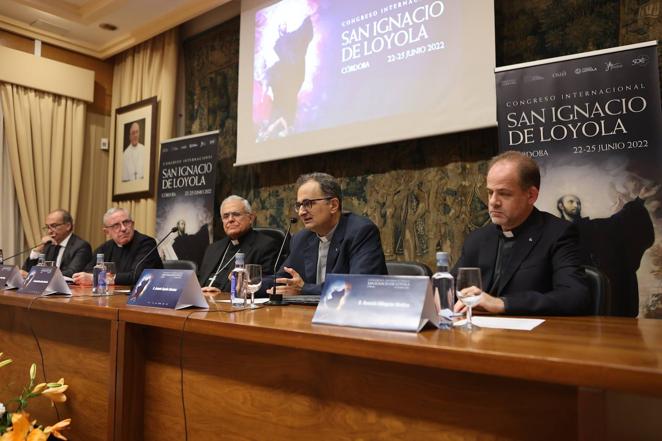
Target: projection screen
column 322, row 75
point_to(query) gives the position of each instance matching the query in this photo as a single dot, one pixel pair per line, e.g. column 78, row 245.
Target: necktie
column 53, row 252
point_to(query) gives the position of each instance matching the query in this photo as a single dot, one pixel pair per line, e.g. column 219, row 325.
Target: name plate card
column 10, row 277
column 45, row 280
column 399, row 303
column 174, row 289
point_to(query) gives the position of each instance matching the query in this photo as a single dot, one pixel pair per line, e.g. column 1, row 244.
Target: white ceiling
column 74, row 24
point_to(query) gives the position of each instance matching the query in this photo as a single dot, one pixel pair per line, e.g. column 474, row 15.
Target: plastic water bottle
column 443, row 283
column 99, row 286
column 41, row 260
column 238, row 281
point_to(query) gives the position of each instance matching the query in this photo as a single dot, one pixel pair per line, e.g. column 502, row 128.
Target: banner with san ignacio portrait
column 185, row 196
column 593, row 123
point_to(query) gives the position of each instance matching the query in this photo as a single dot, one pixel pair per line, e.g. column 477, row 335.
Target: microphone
column 28, row 249
column 277, row 299
column 133, row 275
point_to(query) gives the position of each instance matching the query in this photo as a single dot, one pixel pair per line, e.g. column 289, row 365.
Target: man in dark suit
column 333, row 242
column 258, row 247
column 60, row 245
column 131, row 251
column 530, row 260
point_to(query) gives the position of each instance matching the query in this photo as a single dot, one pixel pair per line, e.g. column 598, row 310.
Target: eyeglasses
column 126, row 223
column 231, row 214
column 51, row 226
column 308, row 203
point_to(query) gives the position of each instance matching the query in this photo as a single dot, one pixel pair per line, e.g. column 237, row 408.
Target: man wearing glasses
column 333, row 241
column 130, row 250
column 60, row 245
column 258, row 247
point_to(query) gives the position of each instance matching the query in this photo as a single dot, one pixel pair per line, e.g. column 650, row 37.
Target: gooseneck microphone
column 133, row 275
column 277, row 299
column 27, row 249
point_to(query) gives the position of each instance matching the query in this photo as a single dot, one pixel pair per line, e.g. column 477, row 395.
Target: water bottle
column 443, row 283
column 237, row 281
column 41, row 260
column 99, row 286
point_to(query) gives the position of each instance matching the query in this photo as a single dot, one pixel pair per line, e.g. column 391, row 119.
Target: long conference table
column 138, row 373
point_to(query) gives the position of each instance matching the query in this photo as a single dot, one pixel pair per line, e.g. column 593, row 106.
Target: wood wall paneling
column 103, row 70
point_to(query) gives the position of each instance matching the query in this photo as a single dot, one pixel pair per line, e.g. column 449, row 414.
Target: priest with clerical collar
column 219, row 259
column 130, row 250
column 530, row 260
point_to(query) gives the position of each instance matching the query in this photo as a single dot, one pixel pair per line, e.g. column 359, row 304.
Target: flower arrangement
column 16, row 425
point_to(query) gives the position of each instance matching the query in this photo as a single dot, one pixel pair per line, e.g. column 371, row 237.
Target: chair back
column 276, row 233
column 408, row 269
column 180, row 264
column 279, row 235
column 600, row 290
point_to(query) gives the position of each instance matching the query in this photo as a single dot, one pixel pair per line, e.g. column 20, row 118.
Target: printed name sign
column 45, row 280
column 174, row 289
column 400, row 303
column 10, row 277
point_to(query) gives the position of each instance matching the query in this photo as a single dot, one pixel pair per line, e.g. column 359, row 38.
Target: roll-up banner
column 185, row 198
column 593, row 123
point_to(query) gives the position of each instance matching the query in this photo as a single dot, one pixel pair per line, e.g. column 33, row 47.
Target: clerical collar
column 329, row 235
column 520, row 228
column 235, row 242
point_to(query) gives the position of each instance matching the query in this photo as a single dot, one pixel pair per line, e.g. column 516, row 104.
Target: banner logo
column 610, row 65
column 641, row 60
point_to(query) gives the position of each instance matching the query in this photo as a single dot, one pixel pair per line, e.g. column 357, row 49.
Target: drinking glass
column 253, row 280
column 111, row 272
column 468, row 277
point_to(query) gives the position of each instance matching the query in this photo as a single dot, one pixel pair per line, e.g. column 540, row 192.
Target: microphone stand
column 277, row 299
column 133, row 275
column 25, row 250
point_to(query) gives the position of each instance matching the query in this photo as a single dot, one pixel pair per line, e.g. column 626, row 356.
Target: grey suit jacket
column 76, row 255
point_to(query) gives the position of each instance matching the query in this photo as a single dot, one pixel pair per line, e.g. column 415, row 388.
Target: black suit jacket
column 544, row 275
column 76, row 255
column 126, row 258
column 259, row 248
column 355, row 248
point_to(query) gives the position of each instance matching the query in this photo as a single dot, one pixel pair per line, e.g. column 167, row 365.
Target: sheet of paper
column 517, row 324
column 257, row 301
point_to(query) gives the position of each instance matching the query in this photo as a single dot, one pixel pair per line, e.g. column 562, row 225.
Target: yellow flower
column 4, row 362
column 39, row 388
column 20, row 427
column 37, row 435
column 55, row 430
column 55, row 391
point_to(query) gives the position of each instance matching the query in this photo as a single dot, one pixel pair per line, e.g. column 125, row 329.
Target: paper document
column 517, row 324
column 257, row 301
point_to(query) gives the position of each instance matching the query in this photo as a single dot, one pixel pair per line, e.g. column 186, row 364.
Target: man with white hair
column 258, row 248
column 133, row 156
column 131, row 250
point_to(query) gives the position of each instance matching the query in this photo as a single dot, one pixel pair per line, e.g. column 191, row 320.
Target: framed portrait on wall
column 135, row 150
